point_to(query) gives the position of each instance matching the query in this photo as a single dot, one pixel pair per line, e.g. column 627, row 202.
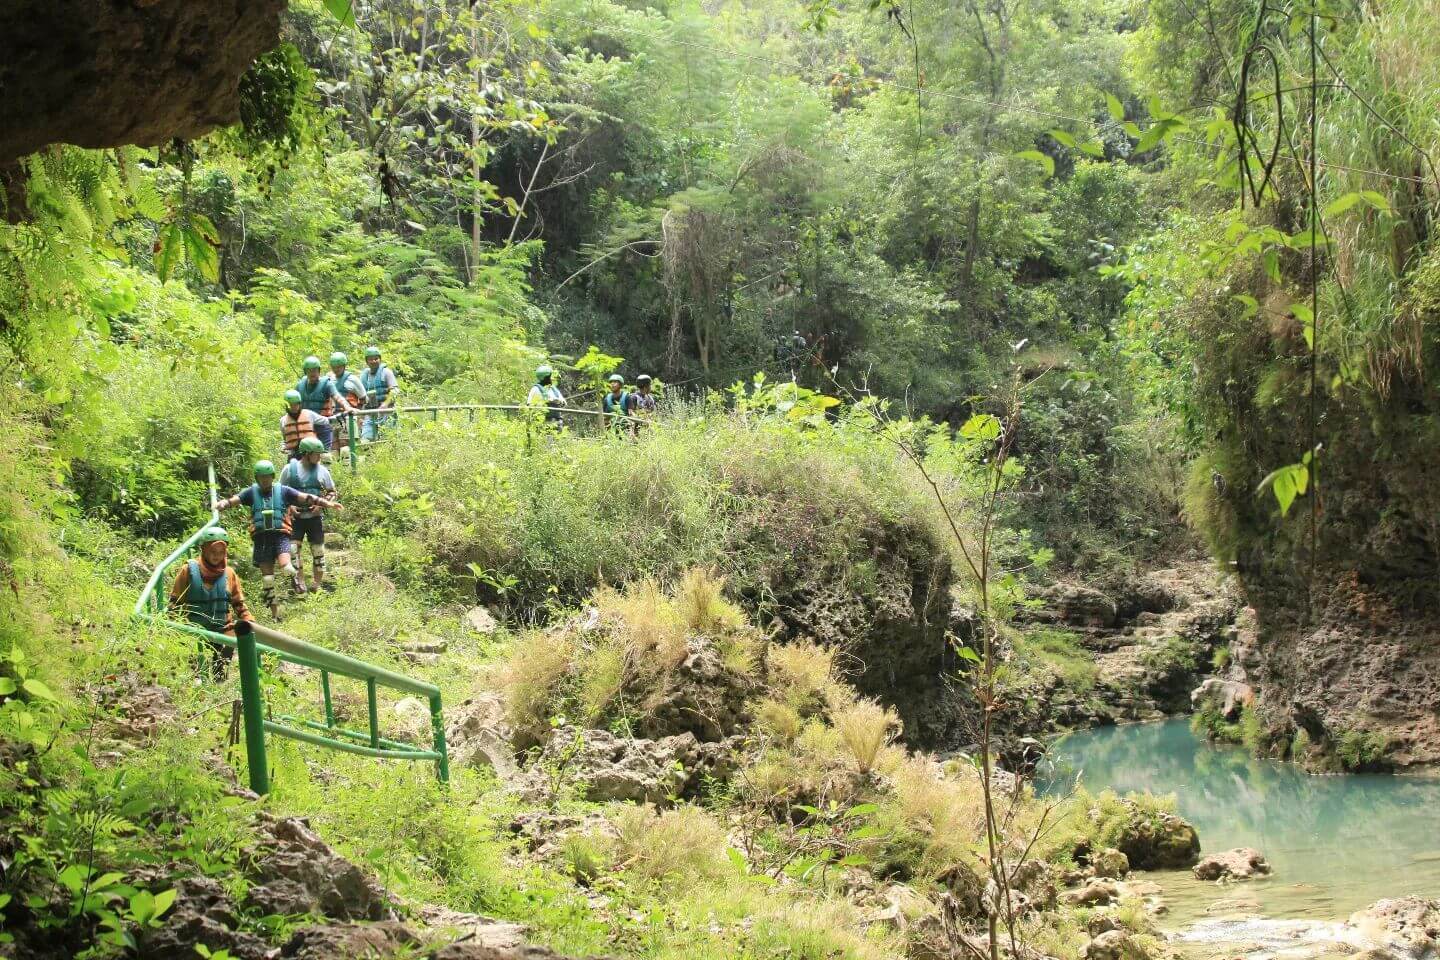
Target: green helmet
column 311, row 445
column 543, row 371
column 338, row 359
column 292, row 396
column 264, row 468
column 311, row 363
column 212, row 534
column 616, row 378
column 372, row 353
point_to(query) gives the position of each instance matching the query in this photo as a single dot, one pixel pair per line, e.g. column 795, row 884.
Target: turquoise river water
column 1336, row 843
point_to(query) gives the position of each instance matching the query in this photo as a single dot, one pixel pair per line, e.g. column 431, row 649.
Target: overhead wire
column 961, row 97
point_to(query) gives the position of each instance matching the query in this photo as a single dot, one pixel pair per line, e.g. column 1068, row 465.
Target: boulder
column 203, row 914
column 608, row 767
column 477, row 735
column 1082, row 606
column 1115, row 945
column 349, row 940
column 1097, row 892
column 1225, row 697
column 1157, row 841
column 479, row 620
column 1109, row 863
column 703, row 696
column 966, row 889
column 1241, row 863
column 295, row 872
column 1408, row 926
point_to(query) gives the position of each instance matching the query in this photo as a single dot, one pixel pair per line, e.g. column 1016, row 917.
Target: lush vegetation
column 948, row 204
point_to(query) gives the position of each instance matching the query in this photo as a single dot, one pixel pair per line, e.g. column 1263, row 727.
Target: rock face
column 477, row 735
column 608, row 767
column 1225, row 697
column 297, row 873
column 100, row 73
column 1109, row 863
column 1242, row 863
column 702, row 696
column 1114, row 945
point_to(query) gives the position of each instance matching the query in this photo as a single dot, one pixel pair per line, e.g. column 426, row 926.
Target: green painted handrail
column 150, row 608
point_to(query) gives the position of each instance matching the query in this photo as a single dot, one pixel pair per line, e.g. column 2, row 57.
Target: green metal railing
column 573, row 413
column 150, row 607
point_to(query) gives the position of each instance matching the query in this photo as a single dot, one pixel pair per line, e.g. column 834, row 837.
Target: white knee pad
column 289, row 567
column 317, row 557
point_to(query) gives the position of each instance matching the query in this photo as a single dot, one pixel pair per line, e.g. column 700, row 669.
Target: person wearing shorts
column 309, row 475
column 270, row 527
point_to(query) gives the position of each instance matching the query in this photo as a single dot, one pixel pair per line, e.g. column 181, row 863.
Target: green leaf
column 7, row 686
column 1063, row 137
column 1045, row 160
column 163, row 901
column 862, row 810
column 1116, row 108
column 1252, row 306
column 1286, row 483
column 37, row 689
column 982, row 426
column 1155, row 135
column 171, row 244
column 968, row 653
column 1093, row 148
column 341, row 10
column 203, row 254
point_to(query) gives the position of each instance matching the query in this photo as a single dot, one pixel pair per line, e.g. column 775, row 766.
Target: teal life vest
column 376, row 387
column 319, row 398
column 306, row 480
column 613, row 404
column 207, row 607
column 267, row 512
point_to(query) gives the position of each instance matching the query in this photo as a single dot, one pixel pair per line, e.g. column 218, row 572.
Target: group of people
column 286, row 506
column 318, row 401
column 623, row 410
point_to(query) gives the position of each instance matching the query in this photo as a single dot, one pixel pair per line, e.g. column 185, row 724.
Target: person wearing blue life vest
column 380, row 390
column 351, row 388
column 309, row 475
column 320, row 396
column 613, row 404
column 270, row 525
column 207, row 593
column 546, row 394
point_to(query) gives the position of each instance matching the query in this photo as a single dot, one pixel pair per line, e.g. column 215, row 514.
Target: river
column 1336, row 843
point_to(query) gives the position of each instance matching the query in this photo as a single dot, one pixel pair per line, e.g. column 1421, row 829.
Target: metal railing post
column 437, row 729
column 253, row 709
column 374, row 712
column 325, row 692
column 354, row 456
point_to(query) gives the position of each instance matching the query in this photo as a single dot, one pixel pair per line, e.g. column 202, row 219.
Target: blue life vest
column 376, row 386
column 305, row 479
column 207, row 607
column 317, row 398
column 275, row 503
column 616, row 405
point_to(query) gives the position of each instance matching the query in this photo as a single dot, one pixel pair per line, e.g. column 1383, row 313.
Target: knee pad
column 267, row 585
column 317, row 556
column 289, row 569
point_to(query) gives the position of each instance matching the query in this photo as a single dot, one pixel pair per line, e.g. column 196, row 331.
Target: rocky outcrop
column 607, row 767
column 1109, row 863
column 703, row 696
column 1225, row 698
column 1115, row 945
column 1408, row 927
column 478, row 735
column 1156, row 841
column 1242, row 863
column 101, row 73
column 296, row 873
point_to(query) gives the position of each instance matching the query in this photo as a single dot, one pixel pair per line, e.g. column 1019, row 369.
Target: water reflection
column 1336, row 843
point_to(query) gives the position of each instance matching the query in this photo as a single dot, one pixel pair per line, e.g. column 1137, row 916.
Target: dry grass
column 536, row 667
column 865, row 728
column 804, row 675
column 684, row 842
column 779, row 720
column 947, row 812
column 701, row 604
column 648, row 622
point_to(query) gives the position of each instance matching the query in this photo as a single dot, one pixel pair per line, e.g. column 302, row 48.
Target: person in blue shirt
column 320, row 395
column 270, row 506
column 380, row 391
column 309, row 475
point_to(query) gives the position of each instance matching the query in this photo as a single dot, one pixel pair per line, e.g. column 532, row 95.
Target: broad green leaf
column 163, row 901
column 7, row 686
column 982, row 426
column 341, row 10
column 1063, row 137
column 968, row 653
column 861, row 810
column 1045, row 160
column 1252, row 306
column 1155, row 135
column 202, row 254
column 1116, row 108
column 37, row 689
column 1093, row 148
column 170, row 246
column 1286, row 483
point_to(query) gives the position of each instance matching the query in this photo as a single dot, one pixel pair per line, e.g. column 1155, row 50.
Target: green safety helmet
column 211, row 534
column 293, row 396
column 543, row 371
column 311, row 445
column 338, row 359
column 616, row 378
column 311, row 363
column 264, row 468
column 372, row 353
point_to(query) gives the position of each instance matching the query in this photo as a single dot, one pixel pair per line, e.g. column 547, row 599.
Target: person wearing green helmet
column 309, row 475
column 297, row 424
column 207, row 593
column 613, row 405
column 320, row 395
column 350, row 388
column 270, row 506
column 380, row 390
column 545, row 394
